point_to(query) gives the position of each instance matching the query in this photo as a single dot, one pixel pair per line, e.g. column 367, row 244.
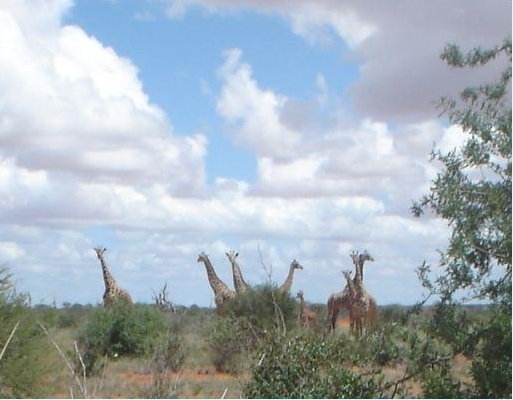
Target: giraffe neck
column 302, row 305
column 288, row 282
column 356, row 288
column 350, row 285
column 238, row 281
column 216, row 284
column 109, row 281
column 358, row 276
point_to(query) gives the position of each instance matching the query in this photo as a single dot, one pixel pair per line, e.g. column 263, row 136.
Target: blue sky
column 178, row 59
column 286, row 130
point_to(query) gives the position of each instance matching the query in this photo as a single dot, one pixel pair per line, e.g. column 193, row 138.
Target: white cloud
column 315, row 21
column 10, row 251
column 312, row 20
column 97, row 123
column 336, row 159
column 254, row 111
column 452, row 139
column 401, row 77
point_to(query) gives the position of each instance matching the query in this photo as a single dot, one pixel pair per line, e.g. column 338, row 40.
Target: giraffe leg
column 333, row 321
column 331, row 327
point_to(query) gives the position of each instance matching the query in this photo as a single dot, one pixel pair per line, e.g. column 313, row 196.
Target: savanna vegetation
column 257, row 349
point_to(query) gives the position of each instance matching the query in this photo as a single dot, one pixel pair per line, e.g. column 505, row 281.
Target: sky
column 283, row 130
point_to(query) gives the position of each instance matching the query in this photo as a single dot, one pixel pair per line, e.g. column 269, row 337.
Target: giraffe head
column 347, row 275
column 202, row 257
column 232, row 255
column 100, row 251
column 355, row 256
column 299, row 295
column 365, row 256
column 295, row 264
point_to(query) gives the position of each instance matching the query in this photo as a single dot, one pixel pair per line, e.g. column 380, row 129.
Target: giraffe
column 342, row 300
column 336, row 302
column 113, row 293
column 359, row 303
column 222, row 293
column 307, row 317
column 288, row 282
column 359, row 261
column 238, row 281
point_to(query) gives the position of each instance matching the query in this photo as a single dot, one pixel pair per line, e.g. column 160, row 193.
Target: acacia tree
column 473, row 194
column 473, row 191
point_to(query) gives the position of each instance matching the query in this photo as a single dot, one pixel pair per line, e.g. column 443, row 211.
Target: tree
column 473, row 193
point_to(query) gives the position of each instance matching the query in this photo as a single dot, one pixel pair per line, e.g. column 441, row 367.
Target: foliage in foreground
column 306, row 366
column 28, row 356
column 473, row 194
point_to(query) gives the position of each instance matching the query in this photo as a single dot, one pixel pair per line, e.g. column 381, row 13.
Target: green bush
column 383, row 346
column 229, row 340
column 305, row 367
column 394, row 313
column 265, row 308
column 29, row 357
column 249, row 318
column 439, row 384
column 169, row 354
column 72, row 316
column 122, row 330
column 67, row 320
column 491, row 368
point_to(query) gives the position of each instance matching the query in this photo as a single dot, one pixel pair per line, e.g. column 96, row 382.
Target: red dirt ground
column 343, row 322
column 195, row 376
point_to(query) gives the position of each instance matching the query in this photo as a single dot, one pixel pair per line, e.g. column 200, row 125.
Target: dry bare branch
column 68, row 364
column 11, row 335
column 280, row 320
column 83, row 368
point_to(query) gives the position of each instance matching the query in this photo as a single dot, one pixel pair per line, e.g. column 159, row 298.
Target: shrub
column 73, row 316
column 438, row 384
column 169, row 356
column 264, row 307
column 67, row 320
column 229, row 340
column 491, row 368
column 122, row 330
column 28, row 357
column 394, row 314
column 382, row 346
column 250, row 317
column 305, row 367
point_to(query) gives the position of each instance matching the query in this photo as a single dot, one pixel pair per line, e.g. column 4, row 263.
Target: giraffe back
column 116, row 295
